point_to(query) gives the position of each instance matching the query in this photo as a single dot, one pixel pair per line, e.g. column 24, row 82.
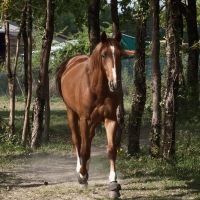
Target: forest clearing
column 99, row 99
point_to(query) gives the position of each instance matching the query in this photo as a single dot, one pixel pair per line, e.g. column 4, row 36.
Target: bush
column 79, row 44
column 186, row 164
column 4, row 130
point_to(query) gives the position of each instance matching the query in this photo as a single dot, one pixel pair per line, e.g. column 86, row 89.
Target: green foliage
column 128, row 10
column 162, row 18
column 37, row 46
column 135, row 9
column 127, row 78
column 79, row 44
column 142, row 8
column 8, row 144
column 11, row 146
column 6, row 5
column 198, row 11
column 14, row 8
column 82, row 46
column 185, row 166
column 4, row 130
column 5, row 137
column 70, row 11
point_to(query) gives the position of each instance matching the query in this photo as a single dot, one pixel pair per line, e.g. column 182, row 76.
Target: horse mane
column 95, row 57
column 95, row 64
column 59, row 73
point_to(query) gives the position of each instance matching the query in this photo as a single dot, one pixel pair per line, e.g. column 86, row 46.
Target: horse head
column 110, row 53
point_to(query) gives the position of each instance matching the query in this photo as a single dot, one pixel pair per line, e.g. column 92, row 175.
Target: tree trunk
column 42, row 93
column 173, row 38
column 25, row 41
column 93, row 23
column 120, row 113
column 156, row 83
column 11, row 79
column 139, row 97
column 28, row 73
column 12, row 71
column 45, row 135
column 193, row 56
column 115, row 17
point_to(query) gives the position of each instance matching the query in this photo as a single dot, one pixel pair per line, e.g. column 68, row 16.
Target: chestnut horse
column 89, row 86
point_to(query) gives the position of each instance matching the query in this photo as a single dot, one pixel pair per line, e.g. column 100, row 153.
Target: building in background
column 13, row 30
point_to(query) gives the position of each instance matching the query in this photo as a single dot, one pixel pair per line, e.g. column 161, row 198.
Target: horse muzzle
column 113, row 86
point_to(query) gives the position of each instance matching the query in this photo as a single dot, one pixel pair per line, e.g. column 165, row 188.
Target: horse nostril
column 110, row 83
column 113, row 86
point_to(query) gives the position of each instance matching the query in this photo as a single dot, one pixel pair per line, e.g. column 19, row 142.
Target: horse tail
column 59, row 73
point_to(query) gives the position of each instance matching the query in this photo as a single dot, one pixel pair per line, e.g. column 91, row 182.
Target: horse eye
column 103, row 55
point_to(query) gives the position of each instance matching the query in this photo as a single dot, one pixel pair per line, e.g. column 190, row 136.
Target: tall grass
column 59, row 132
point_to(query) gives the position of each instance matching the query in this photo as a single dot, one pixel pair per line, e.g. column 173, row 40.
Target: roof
column 128, row 42
column 13, row 28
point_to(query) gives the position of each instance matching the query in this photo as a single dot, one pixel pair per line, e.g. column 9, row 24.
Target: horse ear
column 118, row 36
column 103, row 37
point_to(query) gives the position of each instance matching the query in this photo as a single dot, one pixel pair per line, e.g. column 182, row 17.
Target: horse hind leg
column 84, row 151
column 76, row 140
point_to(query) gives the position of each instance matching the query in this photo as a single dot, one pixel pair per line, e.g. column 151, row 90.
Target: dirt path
column 26, row 180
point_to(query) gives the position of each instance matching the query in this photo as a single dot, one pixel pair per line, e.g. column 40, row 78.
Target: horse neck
column 98, row 78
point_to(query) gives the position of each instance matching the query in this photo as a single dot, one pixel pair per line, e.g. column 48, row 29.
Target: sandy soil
column 29, row 176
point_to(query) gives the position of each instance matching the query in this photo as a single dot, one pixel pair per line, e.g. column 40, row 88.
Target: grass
column 157, row 177
column 59, row 132
column 184, row 166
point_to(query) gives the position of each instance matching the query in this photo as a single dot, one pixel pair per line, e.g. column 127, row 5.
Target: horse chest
column 105, row 109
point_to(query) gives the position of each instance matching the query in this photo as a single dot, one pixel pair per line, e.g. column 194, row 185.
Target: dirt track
column 27, row 179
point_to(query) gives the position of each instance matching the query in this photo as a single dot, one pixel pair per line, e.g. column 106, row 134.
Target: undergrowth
column 185, row 165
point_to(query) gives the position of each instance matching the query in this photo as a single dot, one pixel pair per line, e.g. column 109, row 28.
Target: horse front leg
column 76, row 140
column 84, row 151
column 114, row 187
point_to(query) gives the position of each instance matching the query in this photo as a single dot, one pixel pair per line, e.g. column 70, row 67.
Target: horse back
column 77, row 60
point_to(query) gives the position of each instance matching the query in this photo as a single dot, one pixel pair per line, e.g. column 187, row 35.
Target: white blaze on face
column 114, row 73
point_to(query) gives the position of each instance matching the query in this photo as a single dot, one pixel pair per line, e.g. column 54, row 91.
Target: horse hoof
column 83, row 186
column 114, row 188
column 114, row 194
column 83, row 179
